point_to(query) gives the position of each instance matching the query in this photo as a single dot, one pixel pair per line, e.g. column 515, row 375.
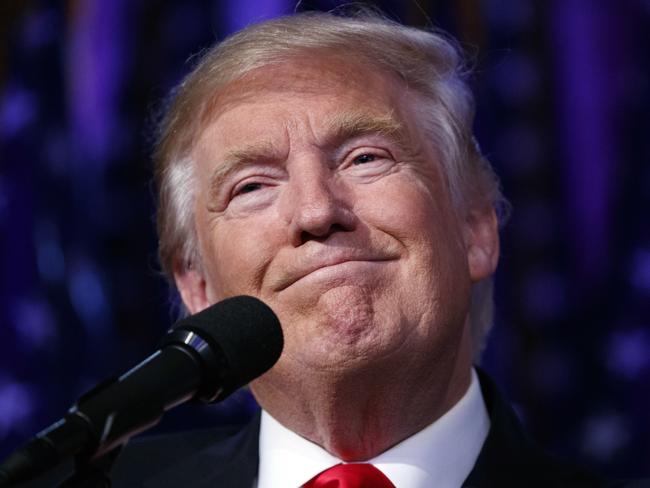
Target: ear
column 482, row 242
column 192, row 286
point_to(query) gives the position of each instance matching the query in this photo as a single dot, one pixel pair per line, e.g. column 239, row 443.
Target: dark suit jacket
column 228, row 457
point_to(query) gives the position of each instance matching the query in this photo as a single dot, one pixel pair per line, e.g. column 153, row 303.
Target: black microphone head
column 245, row 335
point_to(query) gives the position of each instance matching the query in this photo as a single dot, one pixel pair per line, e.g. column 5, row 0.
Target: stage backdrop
column 563, row 113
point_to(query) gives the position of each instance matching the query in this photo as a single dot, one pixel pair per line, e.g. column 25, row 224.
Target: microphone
column 204, row 357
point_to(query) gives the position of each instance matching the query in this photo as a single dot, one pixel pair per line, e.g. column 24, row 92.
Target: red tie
column 350, row 476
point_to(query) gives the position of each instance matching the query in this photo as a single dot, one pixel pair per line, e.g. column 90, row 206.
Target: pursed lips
column 289, row 277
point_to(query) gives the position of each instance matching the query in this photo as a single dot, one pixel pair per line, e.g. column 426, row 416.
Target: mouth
column 334, row 267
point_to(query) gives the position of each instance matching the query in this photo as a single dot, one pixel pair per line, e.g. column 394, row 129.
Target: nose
column 317, row 206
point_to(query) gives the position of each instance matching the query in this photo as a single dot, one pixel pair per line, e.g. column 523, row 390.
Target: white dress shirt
column 441, row 455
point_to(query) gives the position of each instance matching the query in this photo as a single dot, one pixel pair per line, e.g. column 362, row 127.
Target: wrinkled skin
column 319, row 193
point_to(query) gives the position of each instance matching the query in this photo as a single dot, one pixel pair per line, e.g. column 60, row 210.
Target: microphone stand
column 92, row 473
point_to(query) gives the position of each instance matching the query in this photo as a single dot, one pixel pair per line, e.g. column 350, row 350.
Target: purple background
column 563, row 113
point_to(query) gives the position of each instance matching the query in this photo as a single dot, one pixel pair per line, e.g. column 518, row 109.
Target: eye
column 247, row 188
column 364, row 158
column 368, row 161
column 253, row 188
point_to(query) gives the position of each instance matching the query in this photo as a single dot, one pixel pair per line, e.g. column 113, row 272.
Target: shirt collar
column 441, row 455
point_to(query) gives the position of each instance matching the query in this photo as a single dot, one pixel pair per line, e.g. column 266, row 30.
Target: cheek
column 424, row 222
column 236, row 256
column 402, row 207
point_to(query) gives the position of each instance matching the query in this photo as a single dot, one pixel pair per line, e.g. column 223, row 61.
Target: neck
column 358, row 415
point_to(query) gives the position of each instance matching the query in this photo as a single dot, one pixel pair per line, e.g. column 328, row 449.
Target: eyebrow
column 238, row 159
column 341, row 127
column 338, row 128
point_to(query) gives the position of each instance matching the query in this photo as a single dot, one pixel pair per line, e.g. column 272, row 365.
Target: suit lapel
column 510, row 458
column 232, row 462
column 506, row 444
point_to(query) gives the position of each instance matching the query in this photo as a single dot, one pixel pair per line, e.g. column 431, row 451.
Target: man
column 326, row 165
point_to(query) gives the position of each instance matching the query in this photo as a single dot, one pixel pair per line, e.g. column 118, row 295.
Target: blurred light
column 545, row 295
column 55, row 150
column 96, row 59
column 553, row 372
column 39, row 28
column 87, row 296
column 241, row 13
column 180, row 25
column 640, row 272
column 629, row 352
column 49, row 256
column 33, row 323
column 587, row 113
column 506, row 15
column 4, row 198
column 520, row 149
column 17, row 110
column 604, row 435
column 535, row 224
column 516, row 79
column 17, row 403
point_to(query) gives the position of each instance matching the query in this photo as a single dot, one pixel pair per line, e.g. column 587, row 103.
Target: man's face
column 319, row 194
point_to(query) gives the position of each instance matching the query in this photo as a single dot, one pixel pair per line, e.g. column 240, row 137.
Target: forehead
column 312, row 75
column 326, row 93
